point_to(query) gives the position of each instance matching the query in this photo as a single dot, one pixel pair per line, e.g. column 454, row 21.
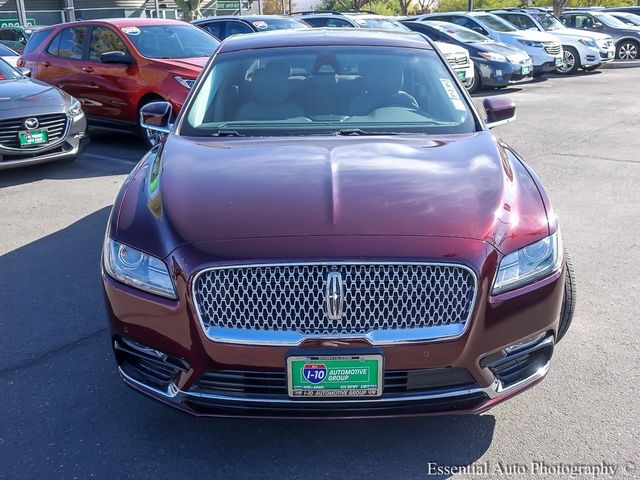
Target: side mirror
column 116, row 57
column 26, row 72
column 156, row 116
column 500, row 110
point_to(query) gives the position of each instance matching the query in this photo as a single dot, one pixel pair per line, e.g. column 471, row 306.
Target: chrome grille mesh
column 54, row 124
column 376, row 297
column 552, row 48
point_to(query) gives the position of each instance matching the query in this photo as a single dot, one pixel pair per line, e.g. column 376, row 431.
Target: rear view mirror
column 116, row 57
column 25, row 72
column 156, row 116
column 597, row 26
column 500, row 110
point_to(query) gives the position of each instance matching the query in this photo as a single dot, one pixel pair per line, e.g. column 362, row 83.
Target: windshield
column 6, row 51
column 611, row 21
column 549, row 22
column 493, row 22
column 347, row 90
column 381, row 23
column 278, row 24
column 628, row 18
column 7, row 72
column 461, row 34
column 171, row 41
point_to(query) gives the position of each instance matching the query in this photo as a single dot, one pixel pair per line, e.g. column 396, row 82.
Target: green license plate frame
column 33, row 137
column 335, row 375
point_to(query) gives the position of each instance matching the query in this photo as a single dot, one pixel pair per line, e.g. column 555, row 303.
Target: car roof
column 319, row 37
column 124, row 22
column 246, row 18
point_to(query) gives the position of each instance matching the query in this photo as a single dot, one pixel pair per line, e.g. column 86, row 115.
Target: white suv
column 459, row 60
column 582, row 49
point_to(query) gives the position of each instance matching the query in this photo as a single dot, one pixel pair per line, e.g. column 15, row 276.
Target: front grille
column 54, row 124
column 265, row 384
column 458, row 60
column 552, row 48
column 293, row 298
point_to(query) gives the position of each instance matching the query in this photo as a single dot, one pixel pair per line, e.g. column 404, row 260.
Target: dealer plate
column 559, row 61
column 462, row 74
column 33, row 137
column 335, row 376
column 526, row 69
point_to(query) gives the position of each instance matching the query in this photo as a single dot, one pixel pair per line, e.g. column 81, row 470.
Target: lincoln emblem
column 334, row 295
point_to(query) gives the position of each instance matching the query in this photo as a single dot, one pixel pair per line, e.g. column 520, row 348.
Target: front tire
column 569, row 299
column 570, row 62
column 627, row 50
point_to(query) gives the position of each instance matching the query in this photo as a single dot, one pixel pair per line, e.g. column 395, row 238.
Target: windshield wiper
column 358, row 131
column 223, row 132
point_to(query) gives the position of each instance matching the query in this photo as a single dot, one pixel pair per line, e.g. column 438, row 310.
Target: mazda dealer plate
column 335, row 376
column 33, row 137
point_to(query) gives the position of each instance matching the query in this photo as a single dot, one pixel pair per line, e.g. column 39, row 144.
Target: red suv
column 116, row 66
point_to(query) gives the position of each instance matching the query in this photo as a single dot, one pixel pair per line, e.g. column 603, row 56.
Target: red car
column 331, row 230
column 115, row 67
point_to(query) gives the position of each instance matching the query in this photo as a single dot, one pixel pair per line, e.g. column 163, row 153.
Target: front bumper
column 68, row 147
column 169, row 330
column 592, row 56
column 500, row 74
column 514, row 372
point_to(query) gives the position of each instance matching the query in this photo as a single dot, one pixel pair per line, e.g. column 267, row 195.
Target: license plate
column 610, row 55
column 33, row 137
column 335, row 376
column 558, row 61
column 526, row 69
column 462, row 74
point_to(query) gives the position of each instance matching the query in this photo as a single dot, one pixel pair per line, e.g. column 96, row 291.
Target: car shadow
column 106, row 154
column 495, row 92
column 64, row 400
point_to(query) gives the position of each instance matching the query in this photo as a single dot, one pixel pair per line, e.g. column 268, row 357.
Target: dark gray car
column 38, row 122
column 625, row 37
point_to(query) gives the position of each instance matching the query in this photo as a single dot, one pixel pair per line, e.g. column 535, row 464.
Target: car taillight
column 20, row 63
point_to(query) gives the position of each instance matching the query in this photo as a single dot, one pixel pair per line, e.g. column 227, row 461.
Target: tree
column 404, row 6
column 559, row 6
column 344, row 5
column 424, row 6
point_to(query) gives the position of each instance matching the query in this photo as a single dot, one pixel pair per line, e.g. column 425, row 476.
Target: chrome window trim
column 295, row 339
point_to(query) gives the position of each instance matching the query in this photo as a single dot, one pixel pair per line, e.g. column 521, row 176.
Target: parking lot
column 66, row 414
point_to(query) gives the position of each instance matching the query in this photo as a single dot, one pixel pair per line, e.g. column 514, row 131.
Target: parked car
column 16, row 37
column 586, row 50
column 544, row 49
column 460, row 61
column 629, row 9
column 333, row 19
column 224, row 26
column 327, row 207
column 457, row 57
column 496, row 64
column 9, row 56
column 38, row 123
column 629, row 18
column 625, row 37
column 116, row 66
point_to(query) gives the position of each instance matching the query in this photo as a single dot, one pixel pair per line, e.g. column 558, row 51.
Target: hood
column 25, row 93
column 532, row 35
column 575, row 33
column 501, row 48
column 195, row 64
column 450, row 48
column 463, row 186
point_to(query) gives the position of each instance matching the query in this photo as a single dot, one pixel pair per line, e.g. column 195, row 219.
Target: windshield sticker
column 260, row 24
column 452, row 94
column 131, row 30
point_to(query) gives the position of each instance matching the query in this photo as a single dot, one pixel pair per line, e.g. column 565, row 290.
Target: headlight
column 589, row 42
column 185, row 82
column 494, row 57
column 528, row 264
column 75, row 110
column 531, row 43
column 137, row 269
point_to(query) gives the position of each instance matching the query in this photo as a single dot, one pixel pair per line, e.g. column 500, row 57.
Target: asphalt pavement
column 65, row 414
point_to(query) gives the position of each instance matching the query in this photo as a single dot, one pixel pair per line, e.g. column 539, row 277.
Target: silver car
column 38, row 122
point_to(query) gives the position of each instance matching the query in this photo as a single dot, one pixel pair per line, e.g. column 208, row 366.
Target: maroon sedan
column 330, row 229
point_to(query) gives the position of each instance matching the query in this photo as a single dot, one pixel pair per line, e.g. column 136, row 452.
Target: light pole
column 22, row 13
